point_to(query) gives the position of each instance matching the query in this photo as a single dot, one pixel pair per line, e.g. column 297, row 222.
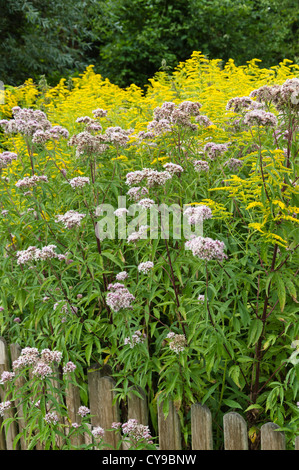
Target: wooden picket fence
column 104, row 411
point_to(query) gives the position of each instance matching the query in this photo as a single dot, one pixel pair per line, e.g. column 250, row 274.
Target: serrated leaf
column 255, row 331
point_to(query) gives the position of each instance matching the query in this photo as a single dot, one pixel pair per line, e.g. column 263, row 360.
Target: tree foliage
column 137, row 35
column 40, row 37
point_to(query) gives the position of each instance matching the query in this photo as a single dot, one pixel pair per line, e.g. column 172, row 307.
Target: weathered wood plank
column 235, row 432
column 297, row 443
column 10, row 430
column 104, row 412
column 169, row 429
column 201, row 427
column 72, row 400
column 137, row 407
column 15, row 351
column 271, row 439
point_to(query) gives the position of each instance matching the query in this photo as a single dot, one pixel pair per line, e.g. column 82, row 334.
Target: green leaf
column 232, row 403
column 255, row 331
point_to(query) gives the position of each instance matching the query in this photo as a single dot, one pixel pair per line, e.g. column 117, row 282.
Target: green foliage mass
column 138, row 35
column 129, row 40
column 42, row 37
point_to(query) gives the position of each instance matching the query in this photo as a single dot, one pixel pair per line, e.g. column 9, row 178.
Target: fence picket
column 169, row 429
column 101, row 402
column 11, row 429
column 235, row 432
column 15, row 351
column 72, row 400
column 137, row 407
column 271, row 439
column 201, row 427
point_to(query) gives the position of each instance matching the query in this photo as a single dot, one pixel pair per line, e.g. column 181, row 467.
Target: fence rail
column 104, row 411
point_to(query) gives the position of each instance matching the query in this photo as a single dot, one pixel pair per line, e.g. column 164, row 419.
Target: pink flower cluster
column 173, row 168
column 79, row 182
column 41, row 362
column 54, row 133
column 122, row 276
column 152, row 177
column 31, row 181
column 26, row 122
column 201, row 166
column 136, row 338
column 119, row 297
column 135, row 193
column 70, row 219
column 88, row 143
column 215, row 150
column 169, row 115
column 69, row 367
column 6, row 158
column 83, row 411
column 6, row 377
column 243, row 103
column 4, row 406
column 197, row 214
column 234, row 164
column 98, row 432
column 206, row 248
column 145, row 267
column 51, row 417
column 260, row 118
column 140, row 234
column 282, row 96
column 146, row 203
column 35, row 254
column 178, row 342
column 137, row 433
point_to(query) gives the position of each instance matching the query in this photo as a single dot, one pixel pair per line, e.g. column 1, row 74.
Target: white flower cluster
column 136, row 193
column 119, row 297
column 178, row 342
column 260, row 118
column 173, row 168
column 31, row 181
column 140, row 234
column 206, row 248
column 122, row 276
column 201, row 166
column 197, row 214
column 136, row 432
column 152, row 177
column 6, row 158
column 234, row 164
column 4, row 406
column 146, row 203
column 79, row 181
column 215, row 150
column 145, row 267
column 70, row 219
column 41, row 362
column 136, row 338
column 35, row 254
column 54, row 133
column 242, row 103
